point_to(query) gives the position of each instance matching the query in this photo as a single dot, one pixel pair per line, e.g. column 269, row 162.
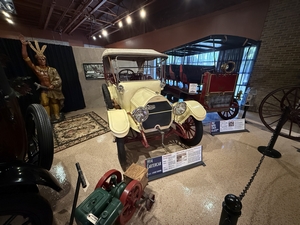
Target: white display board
column 227, row 126
column 173, row 162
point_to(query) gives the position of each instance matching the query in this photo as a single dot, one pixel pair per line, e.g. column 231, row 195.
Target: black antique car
column 26, row 155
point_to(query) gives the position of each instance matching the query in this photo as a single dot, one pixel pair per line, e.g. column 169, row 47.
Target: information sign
column 173, row 162
column 227, row 126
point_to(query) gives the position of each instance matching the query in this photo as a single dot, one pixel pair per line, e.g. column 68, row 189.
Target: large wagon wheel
column 272, row 106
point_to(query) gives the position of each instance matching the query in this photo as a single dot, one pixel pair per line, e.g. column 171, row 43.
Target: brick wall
column 278, row 61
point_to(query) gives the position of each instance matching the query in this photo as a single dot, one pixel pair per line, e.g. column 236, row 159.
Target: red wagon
column 214, row 90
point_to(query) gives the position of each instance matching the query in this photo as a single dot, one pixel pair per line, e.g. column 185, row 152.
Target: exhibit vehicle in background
column 213, row 70
column 214, row 90
column 26, row 155
column 136, row 109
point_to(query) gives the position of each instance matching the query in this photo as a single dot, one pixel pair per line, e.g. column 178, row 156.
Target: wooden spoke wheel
column 107, row 181
column 232, row 111
column 194, row 131
column 129, row 198
column 272, row 107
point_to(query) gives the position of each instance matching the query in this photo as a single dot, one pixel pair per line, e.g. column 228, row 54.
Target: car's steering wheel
column 125, row 74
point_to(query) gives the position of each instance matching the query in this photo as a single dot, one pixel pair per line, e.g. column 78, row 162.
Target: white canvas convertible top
column 147, row 53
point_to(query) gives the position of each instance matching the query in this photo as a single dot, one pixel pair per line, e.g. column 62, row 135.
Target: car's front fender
column 118, row 122
column 193, row 108
column 19, row 172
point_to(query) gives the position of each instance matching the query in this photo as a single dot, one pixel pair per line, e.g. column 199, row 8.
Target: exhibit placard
column 193, row 88
column 227, row 126
column 173, row 162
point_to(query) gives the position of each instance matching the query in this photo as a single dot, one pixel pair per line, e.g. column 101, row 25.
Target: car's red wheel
column 194, row 131
column 121, row 152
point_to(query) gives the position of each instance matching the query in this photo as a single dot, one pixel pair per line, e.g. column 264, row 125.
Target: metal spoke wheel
column 232, row 111
column 40, row 137
column 194, row 131
column 129, row 198
column 272, row 106
column 110, row 179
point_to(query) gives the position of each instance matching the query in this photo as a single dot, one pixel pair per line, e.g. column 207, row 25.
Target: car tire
column 231, row 113
column 121, row 151
column 30, row 207
column 40, row 137
column 107, row 97
column 194, row 131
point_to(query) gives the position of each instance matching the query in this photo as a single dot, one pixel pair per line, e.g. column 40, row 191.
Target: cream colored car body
column 129, row 95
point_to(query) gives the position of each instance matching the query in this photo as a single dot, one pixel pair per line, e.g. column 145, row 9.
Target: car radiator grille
column 161, row 115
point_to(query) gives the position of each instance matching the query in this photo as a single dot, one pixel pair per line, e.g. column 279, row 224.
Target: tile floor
column 194, row 196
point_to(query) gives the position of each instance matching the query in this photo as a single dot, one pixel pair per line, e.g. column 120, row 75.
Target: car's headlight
column 179, row 108
column 140, row 114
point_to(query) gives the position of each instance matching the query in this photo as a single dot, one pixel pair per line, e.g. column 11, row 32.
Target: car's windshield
column 137, row 68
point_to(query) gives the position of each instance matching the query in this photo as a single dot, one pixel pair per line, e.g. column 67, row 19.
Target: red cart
column 214, row 90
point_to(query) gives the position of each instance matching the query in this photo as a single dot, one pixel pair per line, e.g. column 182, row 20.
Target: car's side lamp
column 121, row 89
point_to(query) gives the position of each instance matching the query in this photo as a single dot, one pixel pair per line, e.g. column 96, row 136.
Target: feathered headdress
column 39, row 52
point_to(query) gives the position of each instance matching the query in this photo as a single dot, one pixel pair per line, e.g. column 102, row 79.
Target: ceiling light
column 120, row 24
column 6, row 14
column 143, row 13
column 10, row 21
column 94, row 38
column 99, row 36
column 104, row 33
column 128, row 19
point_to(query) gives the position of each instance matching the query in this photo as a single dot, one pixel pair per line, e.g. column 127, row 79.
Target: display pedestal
column 271, row 153
column 227, row 126
column 168, row 164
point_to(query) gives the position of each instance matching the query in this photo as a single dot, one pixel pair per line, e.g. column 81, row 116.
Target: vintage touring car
column 136, row 109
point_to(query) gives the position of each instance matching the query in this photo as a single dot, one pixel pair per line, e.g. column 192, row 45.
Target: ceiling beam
column 85, row 18
column 78, row 15
column 63, row 15
column 121, row 18
column 49, row 14
column 43, row 12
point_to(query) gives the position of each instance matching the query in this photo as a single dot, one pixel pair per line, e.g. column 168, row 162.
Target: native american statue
column 51, row 97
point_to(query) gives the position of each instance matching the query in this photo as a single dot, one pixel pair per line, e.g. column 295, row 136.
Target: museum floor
column 194, row 196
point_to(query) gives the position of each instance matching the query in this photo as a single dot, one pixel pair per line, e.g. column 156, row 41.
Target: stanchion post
column 231, row 210
column 246, row 107
column 269, row 150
